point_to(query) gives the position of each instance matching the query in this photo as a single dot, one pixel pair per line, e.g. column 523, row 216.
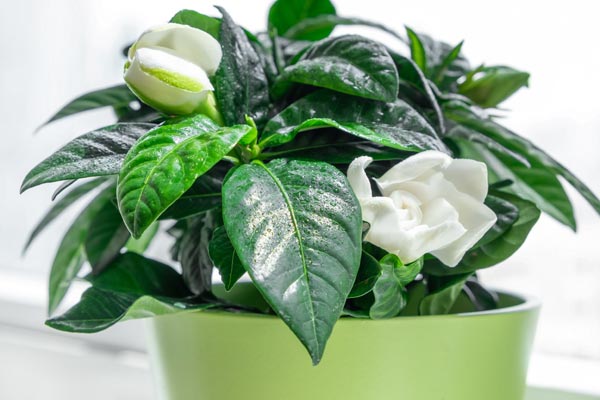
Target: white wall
column 53, row 51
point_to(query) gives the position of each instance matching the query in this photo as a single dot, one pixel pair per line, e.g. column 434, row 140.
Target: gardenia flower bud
column 431, row 203
column 168, row 69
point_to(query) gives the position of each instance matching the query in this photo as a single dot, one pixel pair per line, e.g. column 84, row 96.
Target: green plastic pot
column 463, row 356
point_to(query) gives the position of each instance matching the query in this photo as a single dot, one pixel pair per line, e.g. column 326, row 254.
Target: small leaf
column 70, row 255
column 390, row 289
column 210, row 25
column 241, row 84
column 441, row 300
column 490, row 86
column 348, row 64
column 60, row 206
column 368, row 273
column 285, row 14
column 96, row 153
column 106, row 237
column 166, row 162
column 417, row 50
column 396, row 125
column 116, row 96
column 225, row 258
column 296, row 227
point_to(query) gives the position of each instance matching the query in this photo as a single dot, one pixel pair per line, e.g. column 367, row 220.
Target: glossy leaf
column 225, row 258
column 204, row 195
column 348, row 64
column 285, row 14
column 70, row 254
column 196, row 265
column 368, row 273
column 106, row 236
column 166, row 162
column 490, row 86
column 396, row 125
column 97, row 153
column 441, row 300
column 210, row 25
column 390, row 288
column 115, row 96
column 309, row 28
column 501, row 242
column 241, row 85
column 519, row 144
column 296, row 227
column 60, row 206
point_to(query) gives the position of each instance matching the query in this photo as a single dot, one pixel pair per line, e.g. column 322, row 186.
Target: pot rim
column 527, row 303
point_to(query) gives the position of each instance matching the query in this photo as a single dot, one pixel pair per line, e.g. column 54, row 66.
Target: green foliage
column 308, row 256
column 262, row 190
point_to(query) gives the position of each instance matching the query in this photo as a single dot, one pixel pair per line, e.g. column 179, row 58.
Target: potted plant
column 357, row 187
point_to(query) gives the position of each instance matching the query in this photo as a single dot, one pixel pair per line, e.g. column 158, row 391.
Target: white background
column 52, row 51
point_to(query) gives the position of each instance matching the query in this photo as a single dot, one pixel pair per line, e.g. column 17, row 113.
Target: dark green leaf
column 368, row 273
column 62, row 187
column 296, row 226
column 494, row 248
column 97, row 153
column 286, row 14
column 225, row 258
column 196, row 264
column 348, row 64
column 520, row 145
column 490, row 86
column 396, row 125
column 134, row 274
column 70, row 254
column 204, row 195
column 115, row 96
column 390, row 289
column 61, row 205
column 442, row 298
column 482, row 298
column 309, row 28
column 106, row 236
column 196, row 20
column 166, row 162
column 241, row 85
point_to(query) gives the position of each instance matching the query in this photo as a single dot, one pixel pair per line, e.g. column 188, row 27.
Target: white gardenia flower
column 168, row 68
column 431, row 203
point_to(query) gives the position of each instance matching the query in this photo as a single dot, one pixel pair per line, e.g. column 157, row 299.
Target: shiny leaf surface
column 225, row 258
column 296, row 227
column 285, row 14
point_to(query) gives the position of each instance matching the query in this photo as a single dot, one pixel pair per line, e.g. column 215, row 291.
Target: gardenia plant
column 346, row 179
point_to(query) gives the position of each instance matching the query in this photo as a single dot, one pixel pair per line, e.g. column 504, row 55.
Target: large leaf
column 225, row 258
column 296, row 227
column 196, row 265
column 210, row 25
column 490, row 86
column 389, row 291
column 70, row 254
column 60, row 206
column 165, row 163
column 444, row 294
column 106, row 237
column 285, row 14
column 501, row 242
column 97, row 153
column 348, row 64
column 241, row 85
column 310, row 28
column 519, row 144
column 204, row 195
column 115, row 96
column 396, row 125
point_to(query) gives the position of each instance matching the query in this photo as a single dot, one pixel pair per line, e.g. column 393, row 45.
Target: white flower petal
column 414, row 166
column 146, row 78
column 188, row 43
column 359, row 181
column 469, row 176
